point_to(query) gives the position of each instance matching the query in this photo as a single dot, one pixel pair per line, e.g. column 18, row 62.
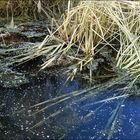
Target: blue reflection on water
column 77, row 117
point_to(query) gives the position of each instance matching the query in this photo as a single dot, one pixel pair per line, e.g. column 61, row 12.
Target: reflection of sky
column 76, row 118
column 15, row 101
column 127, row 124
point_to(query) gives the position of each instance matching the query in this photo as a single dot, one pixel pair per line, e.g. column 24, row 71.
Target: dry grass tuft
column 86, row 31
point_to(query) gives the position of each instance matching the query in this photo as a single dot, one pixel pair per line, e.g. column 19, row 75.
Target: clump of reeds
column 82, row 35
column 91, row 26
column 87, row 29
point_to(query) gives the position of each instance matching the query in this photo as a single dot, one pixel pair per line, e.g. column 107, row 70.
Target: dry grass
column 94, row 23
column 86, row 30
column 128, row 21
column 28, row 8
column 81, row 39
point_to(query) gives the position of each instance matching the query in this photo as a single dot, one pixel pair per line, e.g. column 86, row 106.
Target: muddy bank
column 16, row 41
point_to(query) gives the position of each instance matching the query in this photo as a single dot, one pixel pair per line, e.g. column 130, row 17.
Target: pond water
column 60, row 117
column 50, row 108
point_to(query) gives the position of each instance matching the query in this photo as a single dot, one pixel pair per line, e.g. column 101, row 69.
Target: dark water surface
column 15, row 121
column 64, row 118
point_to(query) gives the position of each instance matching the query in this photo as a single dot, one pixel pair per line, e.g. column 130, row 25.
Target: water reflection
column 65, row 117
column 16, row 119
